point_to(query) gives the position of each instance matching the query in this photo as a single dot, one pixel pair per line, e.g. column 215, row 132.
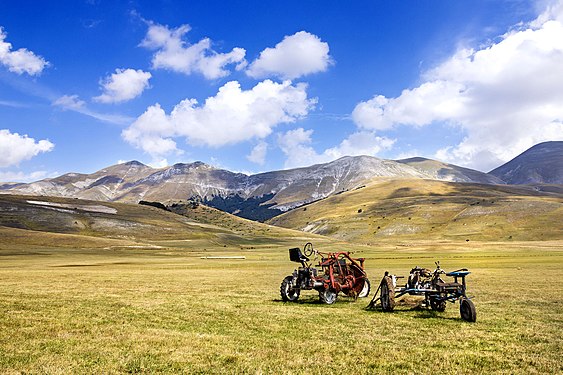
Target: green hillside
column 424, row 209
column 61, row 222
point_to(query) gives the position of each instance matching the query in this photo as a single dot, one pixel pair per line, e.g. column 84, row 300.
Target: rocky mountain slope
column 258, row 197
column 449, row 172
column 272, row 191
column 542, row 163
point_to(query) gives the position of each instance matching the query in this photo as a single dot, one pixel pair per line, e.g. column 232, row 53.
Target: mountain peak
column 356, row 158
column 542, row 163
column 198, row 165
column 416, row 159
column 134, row 163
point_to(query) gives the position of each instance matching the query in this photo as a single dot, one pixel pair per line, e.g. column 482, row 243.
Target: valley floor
column 167, row 310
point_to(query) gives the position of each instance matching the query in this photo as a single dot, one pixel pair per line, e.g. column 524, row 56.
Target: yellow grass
column 135, row 296
column 168, row 311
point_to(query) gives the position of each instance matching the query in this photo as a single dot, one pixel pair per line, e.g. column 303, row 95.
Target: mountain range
column 265, row 195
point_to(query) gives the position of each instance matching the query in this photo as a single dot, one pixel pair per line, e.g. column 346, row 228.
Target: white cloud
column 123, row 85
column 20, row 61
column 15, row 148
column 233, row 115
column 177, row 55
column 71, row 102
column 506, row 97
column 295, row 56
column 12, row 176
column 431, row 101
column 150, row 131
column 258, row 153
column 75, row 104
column 159, row 163
column 296, row 145
column 360, row 143
column 13, row 104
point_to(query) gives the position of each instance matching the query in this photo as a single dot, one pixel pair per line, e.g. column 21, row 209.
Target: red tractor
column 338, row 273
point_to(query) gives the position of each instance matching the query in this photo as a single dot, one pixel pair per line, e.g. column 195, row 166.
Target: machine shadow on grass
column 312, row 300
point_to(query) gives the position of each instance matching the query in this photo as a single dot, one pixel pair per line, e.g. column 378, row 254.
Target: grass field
column 165, row 310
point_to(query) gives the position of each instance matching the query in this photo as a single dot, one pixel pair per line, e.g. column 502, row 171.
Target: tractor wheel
column 288, row 293
column 365, row 289
column 387, row 294
column 328, row 296
column 467, row 310
column 436, row 305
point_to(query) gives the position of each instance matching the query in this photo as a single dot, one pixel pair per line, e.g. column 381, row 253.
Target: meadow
column 165, row 310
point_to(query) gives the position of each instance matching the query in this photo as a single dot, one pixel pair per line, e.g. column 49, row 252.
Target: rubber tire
column 467, row 310
column 328, row 296
column 288, row 294
column 437, row 306
column 365, row 289
column 387, row 294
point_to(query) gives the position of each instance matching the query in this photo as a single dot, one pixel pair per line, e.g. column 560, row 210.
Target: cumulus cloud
column 296, row 145
column 123, row 85
column 506, row 96
column 233, row 115
column 173, row 53
column 258, row 153
column 20, row 61
column 15, row 148
column 295, row 56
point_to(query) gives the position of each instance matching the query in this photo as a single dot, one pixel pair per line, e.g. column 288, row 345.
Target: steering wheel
column 308, row 249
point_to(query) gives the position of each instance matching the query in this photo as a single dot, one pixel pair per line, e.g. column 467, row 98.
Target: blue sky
column 257, row 85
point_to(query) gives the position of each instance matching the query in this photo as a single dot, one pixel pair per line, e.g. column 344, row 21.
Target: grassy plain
column 165, row 310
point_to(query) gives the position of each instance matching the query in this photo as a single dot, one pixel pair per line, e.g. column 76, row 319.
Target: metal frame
column 435, row 291
column 340, row 273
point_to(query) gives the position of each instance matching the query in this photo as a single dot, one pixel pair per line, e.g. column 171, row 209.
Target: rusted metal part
column 430, row 285
column 338, row 273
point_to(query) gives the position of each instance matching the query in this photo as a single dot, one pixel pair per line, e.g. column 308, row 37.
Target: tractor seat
column 448, row 286
column 459, row 273
column 295, row 255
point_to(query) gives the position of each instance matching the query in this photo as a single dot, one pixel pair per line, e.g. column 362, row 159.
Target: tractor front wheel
column 387, row 294
column 287, row 291
column 467, row 310
column 328, row 296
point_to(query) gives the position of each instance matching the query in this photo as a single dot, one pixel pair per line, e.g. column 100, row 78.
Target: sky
column 254, row 86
